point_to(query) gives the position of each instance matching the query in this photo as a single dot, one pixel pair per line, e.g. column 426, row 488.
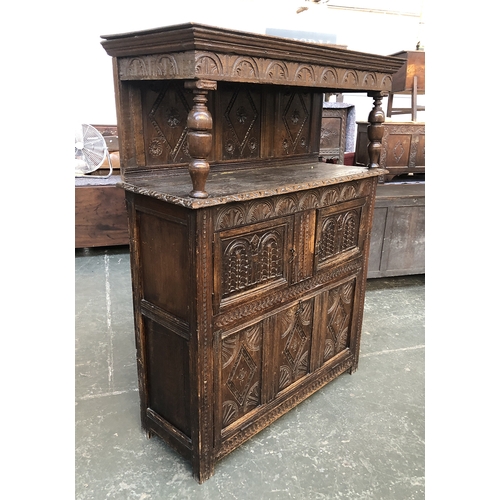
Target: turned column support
column 375, row 131
column 199, row 136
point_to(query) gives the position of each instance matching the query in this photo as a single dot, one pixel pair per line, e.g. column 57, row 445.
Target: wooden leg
column 414, row 100
column 389, row 104
column 202, row 472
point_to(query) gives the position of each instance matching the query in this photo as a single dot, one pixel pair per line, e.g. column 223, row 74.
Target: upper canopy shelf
column 195, row 51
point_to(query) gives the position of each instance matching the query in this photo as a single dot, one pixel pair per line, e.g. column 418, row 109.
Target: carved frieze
column 258, row 210
column 230, row 67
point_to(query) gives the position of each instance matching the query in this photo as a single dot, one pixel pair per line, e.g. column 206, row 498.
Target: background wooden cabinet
column 100, row 213
column 398, row 233
column 403, row 148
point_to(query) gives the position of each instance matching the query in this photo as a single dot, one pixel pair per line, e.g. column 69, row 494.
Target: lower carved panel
column 339, row 313
column 241, row 360
column 283, row 405
column 293, row 335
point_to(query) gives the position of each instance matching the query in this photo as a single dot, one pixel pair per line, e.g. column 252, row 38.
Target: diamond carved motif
column 339, row 314
column 398, row 151
column 295, row 344
column 241, row 115
column 241, row 376
column 169, row 122
column 295, row 116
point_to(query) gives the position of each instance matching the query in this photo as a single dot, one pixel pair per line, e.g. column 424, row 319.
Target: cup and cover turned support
column 199, row 136
column 375, row 130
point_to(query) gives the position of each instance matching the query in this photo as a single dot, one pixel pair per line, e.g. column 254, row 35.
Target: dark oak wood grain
column 249, row 256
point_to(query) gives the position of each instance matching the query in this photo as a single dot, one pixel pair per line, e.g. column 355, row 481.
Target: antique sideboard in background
column 403, row 148
column 100, row 211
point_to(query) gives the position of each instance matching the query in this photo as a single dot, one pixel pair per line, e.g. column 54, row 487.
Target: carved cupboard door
column 251, row 260
column 292, row 339
column 340, row 233
column 337, row 320
column 240, row 362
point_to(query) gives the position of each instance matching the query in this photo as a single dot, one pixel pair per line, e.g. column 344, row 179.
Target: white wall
column 93, row 86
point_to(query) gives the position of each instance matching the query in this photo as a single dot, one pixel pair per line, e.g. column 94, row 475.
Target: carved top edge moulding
column 195, row 51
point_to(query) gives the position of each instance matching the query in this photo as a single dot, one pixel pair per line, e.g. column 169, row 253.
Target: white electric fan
column 90, row 151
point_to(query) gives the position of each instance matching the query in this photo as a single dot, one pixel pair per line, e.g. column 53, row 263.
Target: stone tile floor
column 360, row 437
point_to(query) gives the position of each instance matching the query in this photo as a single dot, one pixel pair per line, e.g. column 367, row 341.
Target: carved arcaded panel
column 212, row 66
column 241, row 363
column 253, row 259
column 339, row 315
column 339, row 233
column 269, row 301
column 230, row 216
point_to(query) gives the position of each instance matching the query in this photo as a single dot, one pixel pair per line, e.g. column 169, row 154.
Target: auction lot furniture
column 409, row 79
column 398, row 235
column 403, row 148
column 249, row 257
column 100, row 210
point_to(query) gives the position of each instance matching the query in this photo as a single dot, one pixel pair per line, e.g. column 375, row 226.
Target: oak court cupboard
column 249, row 256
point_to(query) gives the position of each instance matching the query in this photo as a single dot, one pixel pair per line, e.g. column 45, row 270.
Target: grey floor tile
column 360, row 437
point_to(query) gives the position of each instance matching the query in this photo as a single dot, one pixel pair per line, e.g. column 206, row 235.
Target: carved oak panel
column 241, row 371
column 340, row 301
column 165, row 107
column 293, row 127
column 241, row 125
column 292, row 334
column 339, row 233
column 251, row 258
